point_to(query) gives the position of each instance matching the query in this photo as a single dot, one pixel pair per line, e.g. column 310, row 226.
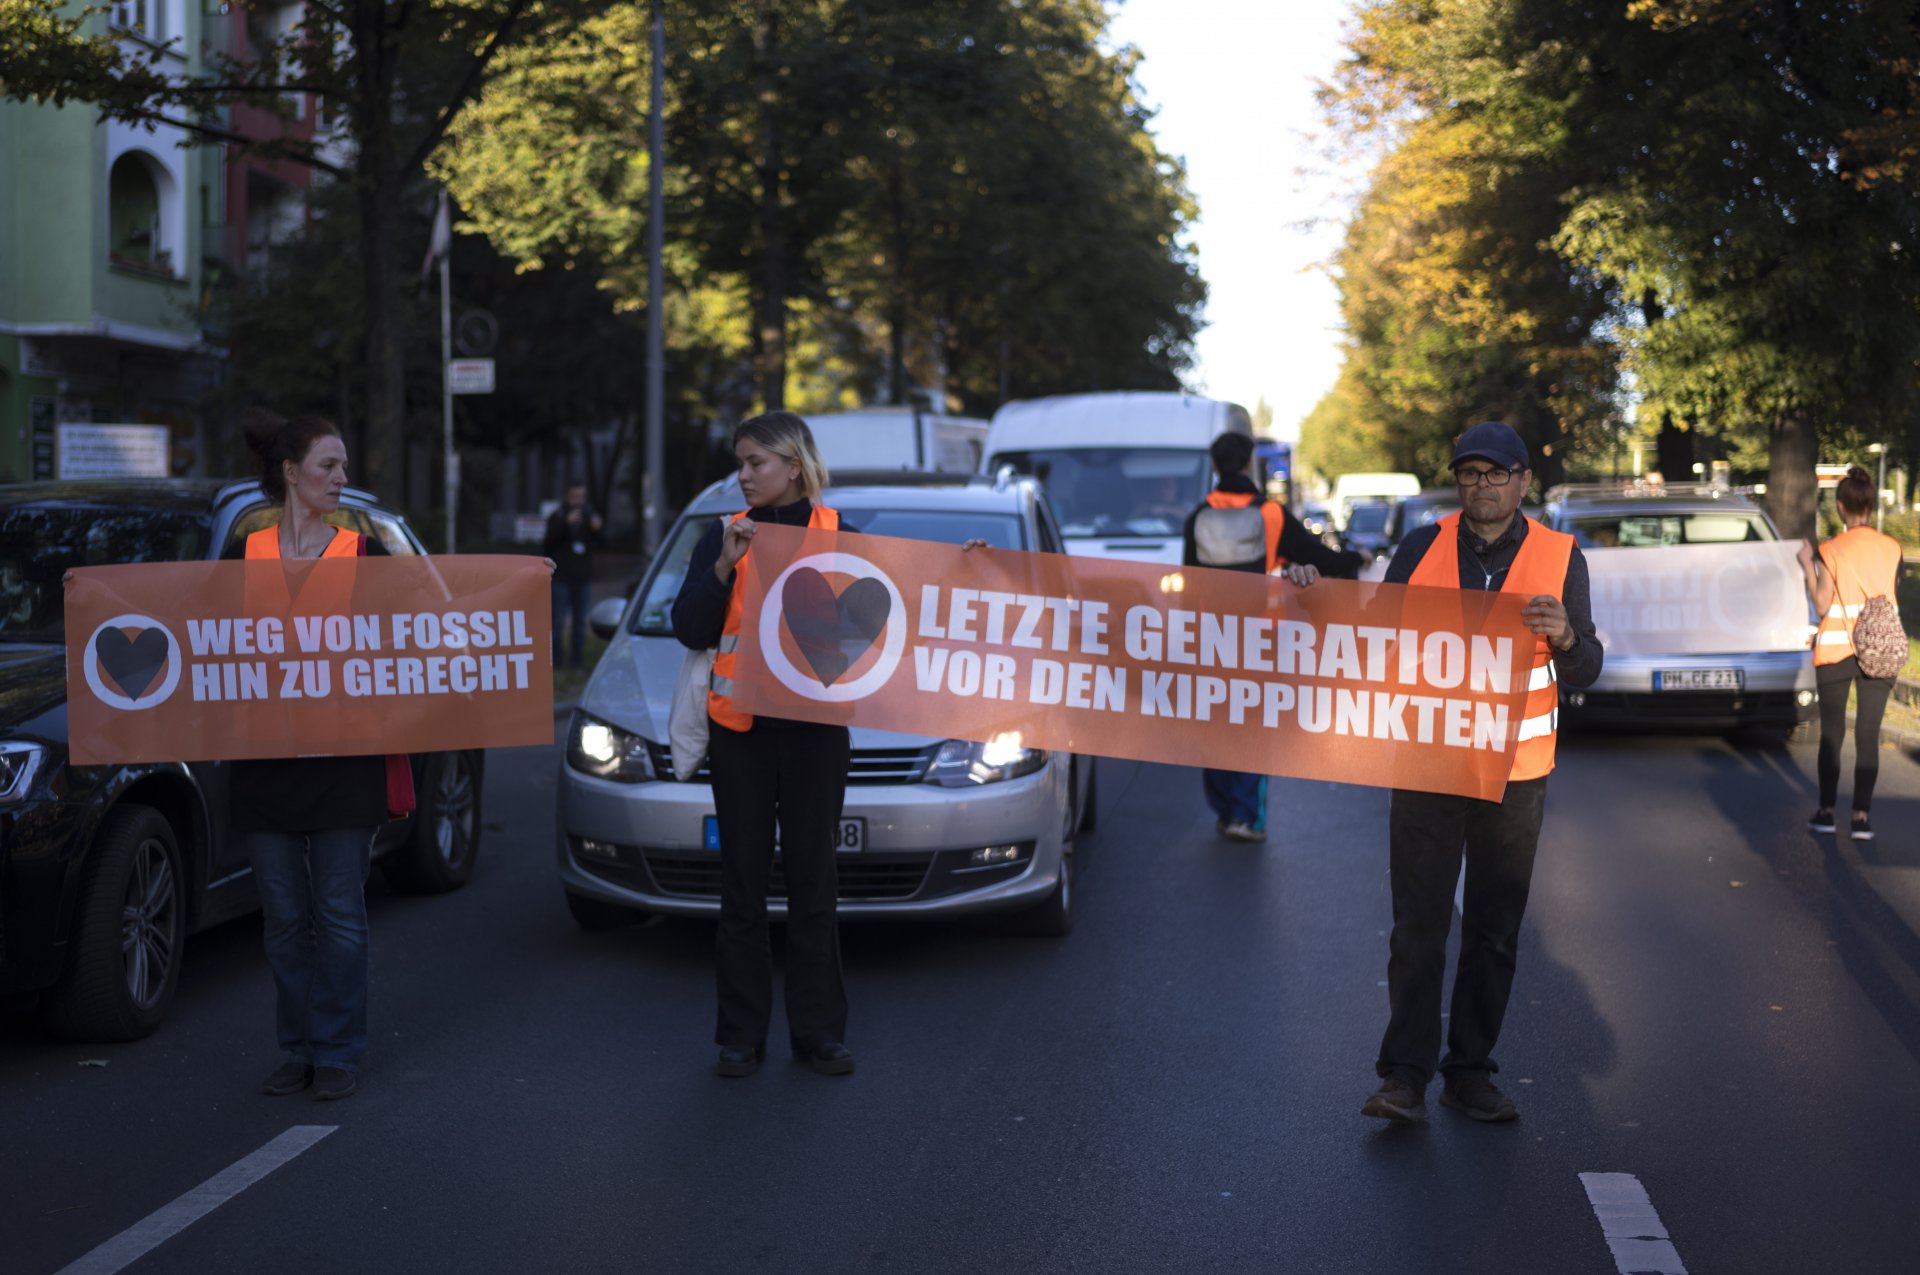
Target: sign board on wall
column 114, row 451
column 470, row 376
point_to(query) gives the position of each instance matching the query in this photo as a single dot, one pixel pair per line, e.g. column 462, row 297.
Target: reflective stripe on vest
column 720, row 691
column 1540, row 567
column 1862, row 563
column 1271, row 514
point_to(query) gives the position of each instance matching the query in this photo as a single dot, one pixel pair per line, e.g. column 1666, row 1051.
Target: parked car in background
column 1352, row 489
column 1422, row 510
column 1369, row 526
column 1121, row 471
column 931, row 827
column 105, row 870
column 1713, row 691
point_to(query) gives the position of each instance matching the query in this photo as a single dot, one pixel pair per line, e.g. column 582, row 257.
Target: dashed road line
column 1634, row 1231
column 169, row 1220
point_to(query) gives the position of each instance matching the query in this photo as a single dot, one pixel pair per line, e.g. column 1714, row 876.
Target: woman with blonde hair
column 769, row 772
column 1855, row 566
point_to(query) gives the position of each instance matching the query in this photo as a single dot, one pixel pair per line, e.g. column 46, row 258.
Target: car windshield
column 1368, row 520
column 1657, row 530
column 943, row 526
column 39, row 542
column 1118, row 491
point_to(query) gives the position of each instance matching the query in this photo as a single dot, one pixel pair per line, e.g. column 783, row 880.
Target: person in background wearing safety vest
column 308, row 822
column 1239, row 529
column 1858, row 564
column 768, row 770
column 1488, row 545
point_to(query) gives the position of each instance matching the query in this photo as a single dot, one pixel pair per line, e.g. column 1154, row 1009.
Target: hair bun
column 1859, row 474
column 260, row 426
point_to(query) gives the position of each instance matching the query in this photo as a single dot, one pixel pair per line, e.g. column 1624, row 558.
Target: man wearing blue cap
column 1488, row 545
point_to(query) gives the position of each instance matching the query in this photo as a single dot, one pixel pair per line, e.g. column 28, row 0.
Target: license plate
column 1699, row 679
column 849, row 835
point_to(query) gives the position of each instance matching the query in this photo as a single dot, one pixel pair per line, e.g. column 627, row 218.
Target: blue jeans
column 1237, row 798
column 571, row 600
column 313, row 892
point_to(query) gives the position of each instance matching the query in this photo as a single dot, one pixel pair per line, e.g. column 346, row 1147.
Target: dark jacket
column 1297, row 544
column 308, row 794
column 571, row 548
column 700, row 608
column 1483, row 566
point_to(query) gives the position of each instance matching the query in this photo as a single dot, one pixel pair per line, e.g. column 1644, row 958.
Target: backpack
column 1230, row 537
column 1879, row 640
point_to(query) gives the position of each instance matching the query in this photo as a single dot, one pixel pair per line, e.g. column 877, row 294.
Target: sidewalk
column 1881, row 878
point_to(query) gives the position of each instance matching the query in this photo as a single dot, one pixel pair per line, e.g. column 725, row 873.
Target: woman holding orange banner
column 777, row 784
column 308, row 822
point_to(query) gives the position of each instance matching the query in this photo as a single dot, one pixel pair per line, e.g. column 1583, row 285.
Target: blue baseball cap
column 1491, row 440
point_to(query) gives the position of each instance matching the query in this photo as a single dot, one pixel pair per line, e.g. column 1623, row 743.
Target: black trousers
column 1834, row 681
column 1429, row 834
column 795, row 774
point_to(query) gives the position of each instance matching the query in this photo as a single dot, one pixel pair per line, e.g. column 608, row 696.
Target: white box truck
column 899, row 438
column 1121, row 470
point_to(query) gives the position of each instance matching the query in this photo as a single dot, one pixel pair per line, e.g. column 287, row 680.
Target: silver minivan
column 931, row 827
column 1719, row 691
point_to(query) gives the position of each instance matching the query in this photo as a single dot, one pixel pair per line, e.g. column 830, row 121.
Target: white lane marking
column 169, row 1220
column 1634, row 1231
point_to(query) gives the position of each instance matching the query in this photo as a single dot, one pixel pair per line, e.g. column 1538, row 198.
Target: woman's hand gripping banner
column 1373, row 684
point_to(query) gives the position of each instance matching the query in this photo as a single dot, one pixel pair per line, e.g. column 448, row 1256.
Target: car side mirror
column 604, row 619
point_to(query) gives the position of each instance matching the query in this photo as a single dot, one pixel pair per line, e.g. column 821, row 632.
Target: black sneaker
column 1862, row 829
column 330, row 1084
column 288, row 1077
column 1397, row 1099
column 1822, row 820
column 1475, row 1096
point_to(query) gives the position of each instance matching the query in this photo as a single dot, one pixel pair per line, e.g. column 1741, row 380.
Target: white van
column 1348, row 488
column 1122, row 471
column 899, row 438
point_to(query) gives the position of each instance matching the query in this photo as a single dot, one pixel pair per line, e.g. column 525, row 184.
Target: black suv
column 104, row 870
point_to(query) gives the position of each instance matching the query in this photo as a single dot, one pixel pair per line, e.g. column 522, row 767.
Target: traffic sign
column 469, row 376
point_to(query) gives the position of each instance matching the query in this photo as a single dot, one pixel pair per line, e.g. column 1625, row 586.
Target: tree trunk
column 1793, row 492
column 379, row 192
column 773, row 241
column 1673, row 451
column 897, row 291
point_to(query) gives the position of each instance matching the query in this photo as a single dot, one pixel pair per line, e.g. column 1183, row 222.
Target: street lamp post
column 1879, row 502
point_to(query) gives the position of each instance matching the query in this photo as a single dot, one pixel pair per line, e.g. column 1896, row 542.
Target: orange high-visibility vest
column 1539, row 568
column 1273, row 515
column 1862, row 563
column 720, row 693
column 265, row 543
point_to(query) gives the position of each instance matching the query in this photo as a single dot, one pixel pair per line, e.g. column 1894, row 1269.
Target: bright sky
column 1234, row 82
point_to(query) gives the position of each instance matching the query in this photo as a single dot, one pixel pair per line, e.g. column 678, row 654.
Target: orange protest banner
column 194, row 661
column 1374, row 684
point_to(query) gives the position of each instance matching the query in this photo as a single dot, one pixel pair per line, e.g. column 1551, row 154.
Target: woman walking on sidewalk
column 1855, row 566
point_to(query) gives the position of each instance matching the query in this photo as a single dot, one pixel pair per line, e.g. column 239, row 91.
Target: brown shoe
column 1397, row 1099
column 1473, row 1095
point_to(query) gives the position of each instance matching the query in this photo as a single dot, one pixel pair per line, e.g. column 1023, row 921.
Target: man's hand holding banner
column 194, row 661
column 1355, row 683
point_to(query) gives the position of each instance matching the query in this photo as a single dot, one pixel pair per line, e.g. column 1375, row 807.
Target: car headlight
column 19, row 763
column 962, row 762
column 607, row 752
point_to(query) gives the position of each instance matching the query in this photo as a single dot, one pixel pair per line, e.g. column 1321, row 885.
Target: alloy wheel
column 453, row 810
column 149, row 923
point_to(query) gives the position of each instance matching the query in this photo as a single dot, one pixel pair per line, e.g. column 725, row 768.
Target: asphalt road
column 1704, row 1003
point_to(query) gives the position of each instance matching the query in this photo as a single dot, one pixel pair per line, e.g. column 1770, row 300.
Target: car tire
column 123, row 963
column 444, row 842
column 1053, row 917
column 597, row 914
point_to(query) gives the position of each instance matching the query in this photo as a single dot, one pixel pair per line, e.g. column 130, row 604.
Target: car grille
column 699, row 877
column 868, row 766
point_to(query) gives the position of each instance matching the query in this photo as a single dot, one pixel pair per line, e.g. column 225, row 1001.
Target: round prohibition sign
column 867, row 683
